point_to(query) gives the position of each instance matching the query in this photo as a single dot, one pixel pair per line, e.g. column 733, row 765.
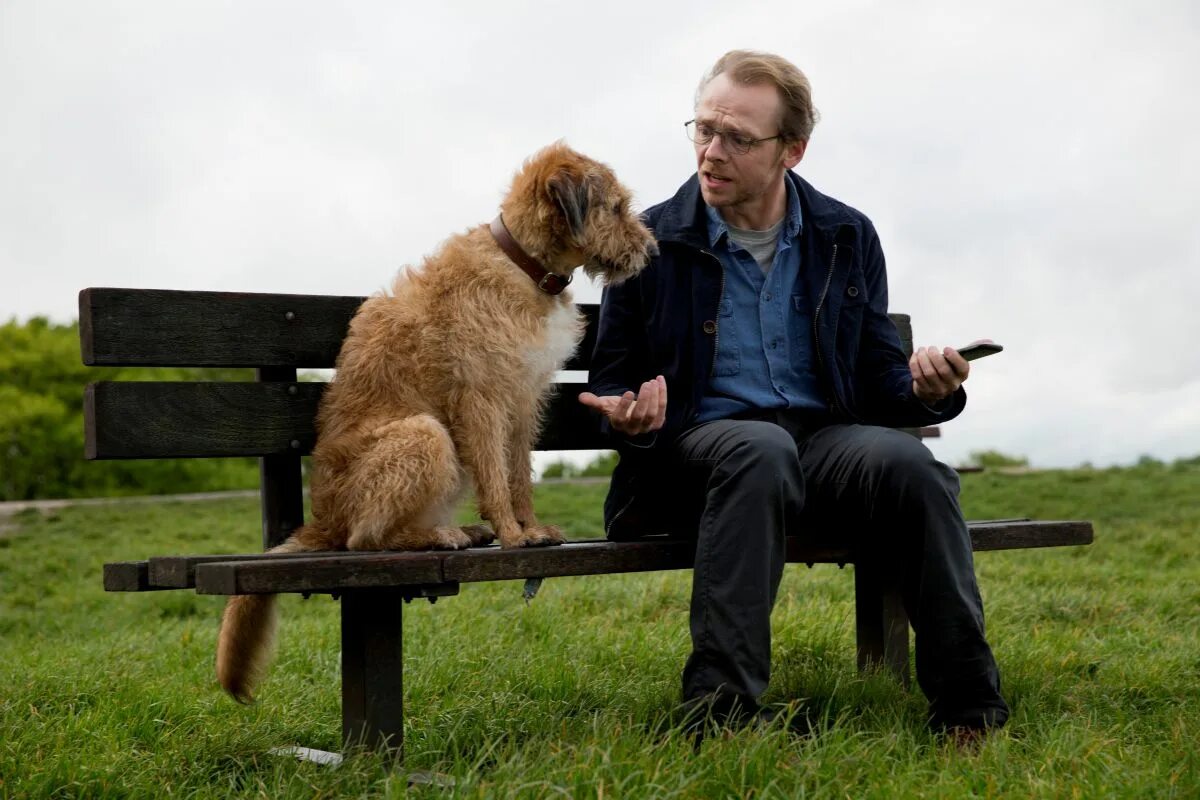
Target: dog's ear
column 570, row 194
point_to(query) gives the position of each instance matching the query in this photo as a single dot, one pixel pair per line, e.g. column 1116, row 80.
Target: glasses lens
column 738, row 143
column 698, row 132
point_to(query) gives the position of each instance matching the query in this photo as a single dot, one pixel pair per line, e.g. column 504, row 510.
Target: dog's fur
column 442, row 383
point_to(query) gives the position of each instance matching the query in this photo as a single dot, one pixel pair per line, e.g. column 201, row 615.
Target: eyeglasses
column 737, row 143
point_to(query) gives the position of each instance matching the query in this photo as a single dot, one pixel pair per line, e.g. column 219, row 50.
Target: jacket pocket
column 728, row 358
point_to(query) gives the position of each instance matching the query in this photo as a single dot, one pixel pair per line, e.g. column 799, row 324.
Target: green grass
column 109, row 695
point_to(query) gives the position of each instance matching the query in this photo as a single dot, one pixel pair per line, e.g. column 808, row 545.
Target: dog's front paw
column 480, row 535
column 541, row 536
column 450, row 539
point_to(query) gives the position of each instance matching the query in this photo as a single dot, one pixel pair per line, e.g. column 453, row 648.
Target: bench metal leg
column 881, row 622
column 373, row 669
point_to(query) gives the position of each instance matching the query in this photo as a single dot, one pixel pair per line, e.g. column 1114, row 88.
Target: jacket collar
column 684, row 219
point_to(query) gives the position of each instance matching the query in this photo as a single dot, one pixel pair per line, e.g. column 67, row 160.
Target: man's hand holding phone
column 937, row 374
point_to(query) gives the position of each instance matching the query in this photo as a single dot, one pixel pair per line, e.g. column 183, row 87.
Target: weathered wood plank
column 1026, row 534
column 169, row 328
column 334, row 572
column 147, row 419
column 903, row 323
column 338, row 570
column 128, row 576
column 159, row 328
column 185, row 420
column 323, row 573
column 179, row 572
column 590, row 558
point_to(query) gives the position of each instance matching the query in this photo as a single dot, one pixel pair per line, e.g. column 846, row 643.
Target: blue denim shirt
column 764, row 351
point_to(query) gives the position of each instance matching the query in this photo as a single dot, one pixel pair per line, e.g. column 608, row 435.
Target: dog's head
column 569, row 210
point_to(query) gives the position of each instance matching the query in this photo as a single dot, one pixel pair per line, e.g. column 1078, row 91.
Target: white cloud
column 1030, row 167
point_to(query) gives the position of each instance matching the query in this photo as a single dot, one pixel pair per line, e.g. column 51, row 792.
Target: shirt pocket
column 800, row 331
column 728, row 358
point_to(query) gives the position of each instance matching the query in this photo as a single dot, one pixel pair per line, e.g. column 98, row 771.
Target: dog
column 441, row 384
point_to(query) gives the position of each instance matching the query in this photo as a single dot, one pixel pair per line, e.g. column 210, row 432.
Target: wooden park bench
column 273, row 419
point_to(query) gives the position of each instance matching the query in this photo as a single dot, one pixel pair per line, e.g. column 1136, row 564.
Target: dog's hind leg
column 404, row 487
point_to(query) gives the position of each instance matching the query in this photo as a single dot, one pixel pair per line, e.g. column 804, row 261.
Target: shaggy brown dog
column 442, row 383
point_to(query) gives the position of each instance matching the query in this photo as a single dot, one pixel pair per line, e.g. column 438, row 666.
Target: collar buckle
column 552, row 283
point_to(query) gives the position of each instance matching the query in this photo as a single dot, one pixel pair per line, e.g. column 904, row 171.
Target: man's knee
column 899, row 458
column 758, row 461
column 765, row 448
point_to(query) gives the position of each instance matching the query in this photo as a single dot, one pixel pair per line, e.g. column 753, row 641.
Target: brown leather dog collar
column 548, row 282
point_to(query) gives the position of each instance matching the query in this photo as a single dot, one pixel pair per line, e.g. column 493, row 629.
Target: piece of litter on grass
column 308, row 754
column 531, row 589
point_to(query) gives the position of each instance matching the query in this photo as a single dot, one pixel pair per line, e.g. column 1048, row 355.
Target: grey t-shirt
column 760, row 244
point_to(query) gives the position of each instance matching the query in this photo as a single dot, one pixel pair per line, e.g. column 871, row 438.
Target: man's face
column 728, row 180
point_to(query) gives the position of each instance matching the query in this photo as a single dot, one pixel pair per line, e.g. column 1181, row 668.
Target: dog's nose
column 652, row 249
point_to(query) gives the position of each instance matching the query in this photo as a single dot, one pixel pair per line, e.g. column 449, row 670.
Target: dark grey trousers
column 756, row 481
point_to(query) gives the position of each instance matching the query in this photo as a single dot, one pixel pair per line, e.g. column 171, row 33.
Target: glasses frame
column 729, row 144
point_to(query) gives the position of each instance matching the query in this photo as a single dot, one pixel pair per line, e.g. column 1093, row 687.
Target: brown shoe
column 967, row 740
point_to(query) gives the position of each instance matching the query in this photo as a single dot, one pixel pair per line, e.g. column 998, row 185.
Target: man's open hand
column 632, row 414
column 937, row 374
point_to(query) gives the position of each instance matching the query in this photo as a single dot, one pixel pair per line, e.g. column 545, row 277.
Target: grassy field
column 114, row 696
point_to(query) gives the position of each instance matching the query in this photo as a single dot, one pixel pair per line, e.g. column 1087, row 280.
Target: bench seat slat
column 339, row 571
column 129, row 576
column 179, row 572
column 1021, row 535
column 319, row 573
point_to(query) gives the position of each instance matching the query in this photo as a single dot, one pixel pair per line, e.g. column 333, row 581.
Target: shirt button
column 852, row 291
column 774, row 345
column 768, row 298
column 710, row 327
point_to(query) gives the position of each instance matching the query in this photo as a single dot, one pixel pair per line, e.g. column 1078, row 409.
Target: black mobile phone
column 979, row 350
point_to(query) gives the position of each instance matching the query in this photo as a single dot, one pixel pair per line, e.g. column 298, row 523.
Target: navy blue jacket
column 665, row 322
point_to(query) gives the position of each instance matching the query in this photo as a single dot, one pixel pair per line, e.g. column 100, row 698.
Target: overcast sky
column 1032, row 168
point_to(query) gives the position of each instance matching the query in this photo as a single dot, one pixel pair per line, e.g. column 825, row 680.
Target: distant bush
column 990, row 459
column 559, row 470
column 42, row 378
column 601, row 466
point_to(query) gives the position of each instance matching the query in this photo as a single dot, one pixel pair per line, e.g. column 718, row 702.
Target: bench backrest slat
column 167, row 328
column 141, row 419
column 268, row 418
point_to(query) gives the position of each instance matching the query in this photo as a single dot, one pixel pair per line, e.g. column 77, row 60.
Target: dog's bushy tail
column 247, row 635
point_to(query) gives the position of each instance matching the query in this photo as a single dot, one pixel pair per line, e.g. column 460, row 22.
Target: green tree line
column 42, row 378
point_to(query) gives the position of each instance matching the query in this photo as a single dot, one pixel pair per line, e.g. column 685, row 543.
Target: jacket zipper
column 617, row 516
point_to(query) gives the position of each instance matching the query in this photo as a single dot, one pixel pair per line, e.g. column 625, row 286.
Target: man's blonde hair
column 751, row 68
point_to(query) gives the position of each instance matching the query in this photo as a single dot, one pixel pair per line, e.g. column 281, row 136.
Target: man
column 764, row 321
